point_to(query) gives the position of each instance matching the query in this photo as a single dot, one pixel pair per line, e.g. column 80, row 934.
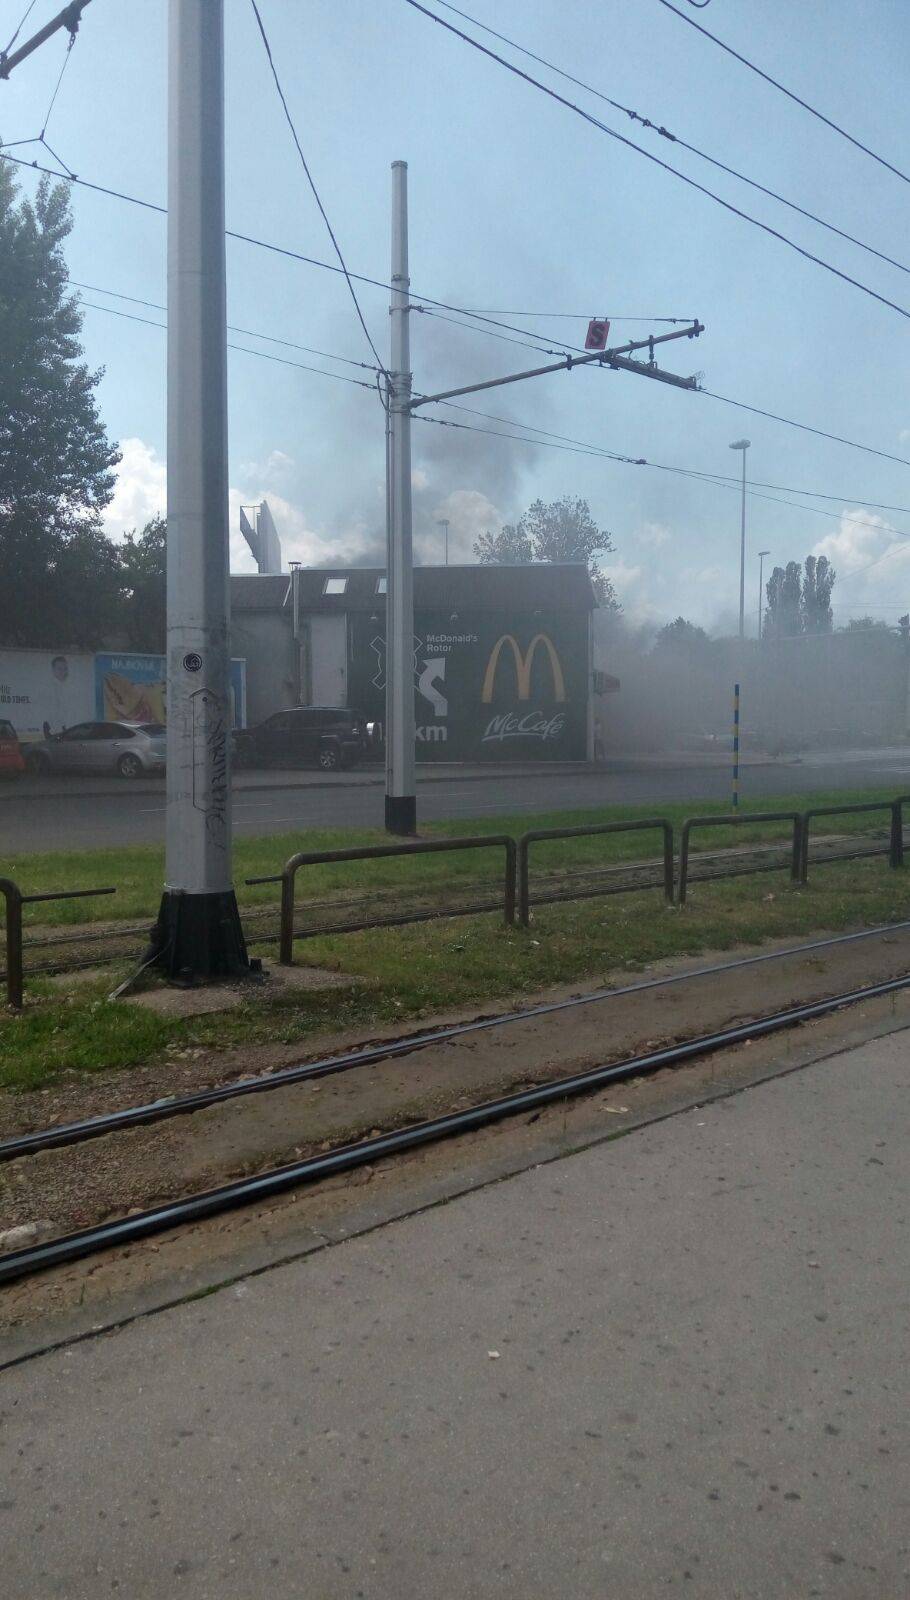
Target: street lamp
column 761, row 582
column 443, row 522
column 743, row 445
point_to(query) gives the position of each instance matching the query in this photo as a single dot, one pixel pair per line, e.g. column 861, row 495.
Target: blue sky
column 517, row 204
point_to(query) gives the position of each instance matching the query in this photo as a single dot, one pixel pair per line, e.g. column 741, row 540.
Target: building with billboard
column 502, row 655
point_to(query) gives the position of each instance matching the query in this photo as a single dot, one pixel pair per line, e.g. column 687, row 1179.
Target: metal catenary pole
column 198, row 926
column 401, row 798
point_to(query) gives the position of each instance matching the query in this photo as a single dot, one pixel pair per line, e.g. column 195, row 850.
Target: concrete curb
column 23, row 789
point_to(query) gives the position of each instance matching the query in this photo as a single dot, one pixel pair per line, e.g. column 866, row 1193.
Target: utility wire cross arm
column 606, row 358
column 68, row 18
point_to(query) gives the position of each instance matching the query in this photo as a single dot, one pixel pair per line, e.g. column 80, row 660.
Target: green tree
column 683, row 640
column 816, row 598
column 562, row 530
column 798, row 602
column 783, row 589
column 508, row 548
column 58, row 573
column 865, row 625
column 143, row 583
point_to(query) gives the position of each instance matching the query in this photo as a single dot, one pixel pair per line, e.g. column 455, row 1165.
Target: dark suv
column 320, row 736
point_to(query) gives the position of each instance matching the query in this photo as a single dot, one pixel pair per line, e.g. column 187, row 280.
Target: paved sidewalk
column 672, row 1363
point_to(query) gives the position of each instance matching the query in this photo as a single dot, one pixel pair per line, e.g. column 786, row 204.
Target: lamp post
column 743, row 445
column 761, row 586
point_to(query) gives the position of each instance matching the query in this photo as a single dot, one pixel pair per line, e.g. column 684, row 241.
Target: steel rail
column 346, row 1158
column 66, row 1133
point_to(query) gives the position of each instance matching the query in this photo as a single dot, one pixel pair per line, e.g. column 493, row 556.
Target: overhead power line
column 68, row 18
column 28, row 11
column 674, row 138
column 611, row 133
column 653, row 466
column 263, row 355
column 328, row 355
column 549, row 440
column 805, row 427
column 310, row 180
column 250, row 333
column 327, row 266
column 40, row 138
column 788, row 92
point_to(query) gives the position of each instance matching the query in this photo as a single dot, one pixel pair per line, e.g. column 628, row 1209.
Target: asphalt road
column 675, row 1362
column 64, row 817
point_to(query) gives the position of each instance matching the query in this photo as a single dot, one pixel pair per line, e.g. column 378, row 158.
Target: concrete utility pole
column 199, row 928
column 401, row 795
column 743, row 445
column 400, row 800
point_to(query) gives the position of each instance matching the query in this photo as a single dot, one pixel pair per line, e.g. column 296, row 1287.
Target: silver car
column 130, row 748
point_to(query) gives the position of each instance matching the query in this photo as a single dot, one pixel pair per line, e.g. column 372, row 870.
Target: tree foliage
column 683, row 640
column 818, row 581
column 799, row 602
column 562, row 530
column 58, row 573
column 143, row 585
column 865, row 625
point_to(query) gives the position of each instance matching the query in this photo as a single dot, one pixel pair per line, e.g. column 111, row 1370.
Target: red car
column 11, row 762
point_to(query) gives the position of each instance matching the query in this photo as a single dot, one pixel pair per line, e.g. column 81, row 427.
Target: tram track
column 345, row 1158
column 58, row 1135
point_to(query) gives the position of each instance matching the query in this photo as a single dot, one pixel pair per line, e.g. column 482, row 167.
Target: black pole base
column 401, row 813
column 199, row 936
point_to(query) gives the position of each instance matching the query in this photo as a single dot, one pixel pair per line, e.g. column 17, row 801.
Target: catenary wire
column 28, row 11
column 788, row 92
column 576, row 444
column 611, row 133
column 674, row 138
column 312, row 261
column 310, row 180
column 656, row 466
column 47, row 114
column 568, row 447
column 263, row 355
column 249, row 333
column 571, row 448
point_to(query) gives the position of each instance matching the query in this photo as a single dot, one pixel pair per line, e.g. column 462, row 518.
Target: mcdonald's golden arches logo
column 524, row 662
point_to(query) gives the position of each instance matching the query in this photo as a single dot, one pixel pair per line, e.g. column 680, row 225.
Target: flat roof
column 559, row 586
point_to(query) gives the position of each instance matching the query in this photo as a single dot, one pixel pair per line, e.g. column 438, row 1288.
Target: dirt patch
column 206, row 999
column 107, row 1177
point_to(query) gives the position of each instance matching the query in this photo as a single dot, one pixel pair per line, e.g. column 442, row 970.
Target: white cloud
column 469, row 513
column 141, row 491
column 904, row 436
column 860, row 537
column 652, row 533
column 871, row 560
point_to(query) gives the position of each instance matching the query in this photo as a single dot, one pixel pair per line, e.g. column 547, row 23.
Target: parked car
column 320, row 736
column 129, row 748
column 11, row 761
